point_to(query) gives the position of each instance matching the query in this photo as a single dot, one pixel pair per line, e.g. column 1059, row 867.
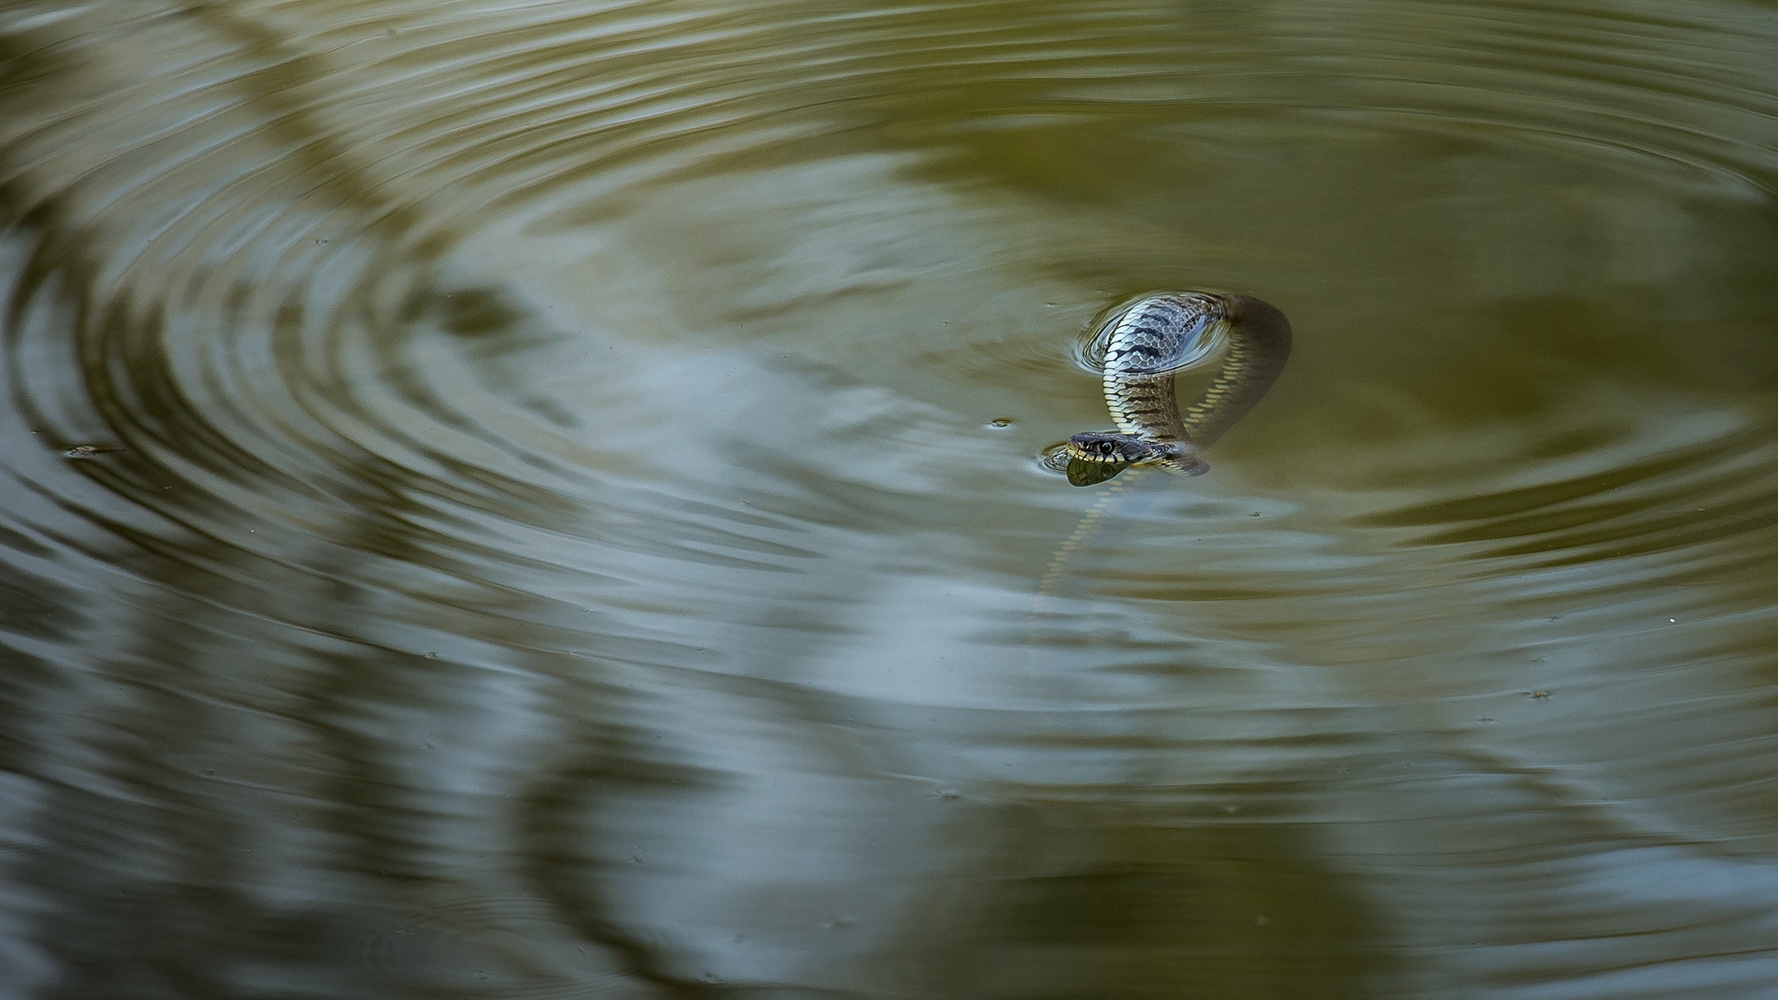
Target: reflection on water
column 558, row 512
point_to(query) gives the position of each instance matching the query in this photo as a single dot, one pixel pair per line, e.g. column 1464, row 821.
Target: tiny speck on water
column 1000, row 422
column 1538, row 694
column 89, row 450
column 948, row 793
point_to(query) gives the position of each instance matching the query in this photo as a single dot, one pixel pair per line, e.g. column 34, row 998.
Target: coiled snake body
column 1145, row 345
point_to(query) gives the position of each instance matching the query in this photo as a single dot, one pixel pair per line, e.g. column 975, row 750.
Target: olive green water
column 576, row 529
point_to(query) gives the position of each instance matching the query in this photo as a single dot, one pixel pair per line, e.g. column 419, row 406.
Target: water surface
column 508, row 500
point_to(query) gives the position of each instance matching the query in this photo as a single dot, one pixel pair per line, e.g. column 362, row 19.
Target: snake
column 1145, row 344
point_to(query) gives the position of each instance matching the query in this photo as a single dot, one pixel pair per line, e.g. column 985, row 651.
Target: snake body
column 1146, row 344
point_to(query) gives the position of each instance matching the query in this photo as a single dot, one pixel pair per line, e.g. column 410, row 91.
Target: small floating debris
column 89, row 450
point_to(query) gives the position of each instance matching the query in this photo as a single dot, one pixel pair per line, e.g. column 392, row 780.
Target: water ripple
column 539, row 499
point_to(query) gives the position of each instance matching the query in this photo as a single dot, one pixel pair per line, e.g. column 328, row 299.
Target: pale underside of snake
column 1145, row 346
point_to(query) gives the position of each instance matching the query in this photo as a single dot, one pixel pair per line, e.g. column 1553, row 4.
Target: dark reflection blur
column 562, row 517
column 1140, row 900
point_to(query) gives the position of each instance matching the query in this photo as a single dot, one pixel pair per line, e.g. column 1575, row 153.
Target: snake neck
column 1144, row 406
column 1145, row 347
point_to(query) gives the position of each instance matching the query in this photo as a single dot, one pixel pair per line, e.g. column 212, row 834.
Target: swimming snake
column 1145, row 344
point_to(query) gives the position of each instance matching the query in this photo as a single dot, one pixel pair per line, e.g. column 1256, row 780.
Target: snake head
column 1095, row 456
column 1110, row 447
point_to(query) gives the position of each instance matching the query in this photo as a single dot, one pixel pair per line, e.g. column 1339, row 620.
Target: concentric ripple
column 538, row 500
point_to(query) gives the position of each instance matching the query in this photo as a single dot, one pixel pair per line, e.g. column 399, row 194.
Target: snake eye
column 1106, row 447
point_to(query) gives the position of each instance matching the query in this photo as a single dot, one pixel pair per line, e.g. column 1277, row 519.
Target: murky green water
column 563, row 541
